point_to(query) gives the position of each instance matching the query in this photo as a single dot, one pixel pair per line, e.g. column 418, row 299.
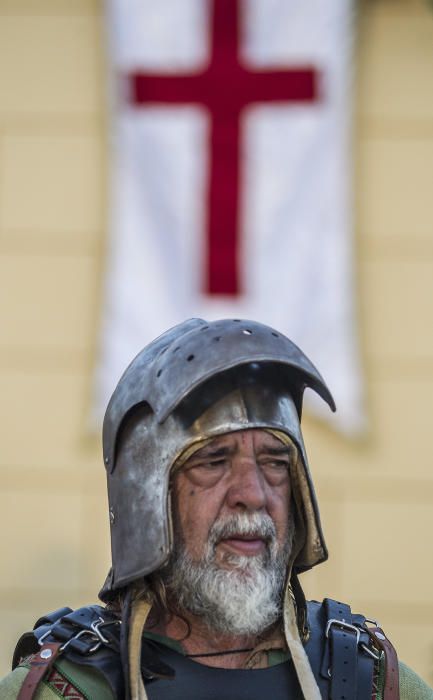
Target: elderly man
column 213, row 516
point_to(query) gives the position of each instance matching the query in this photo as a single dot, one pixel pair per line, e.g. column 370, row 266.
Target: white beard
column 246, row 597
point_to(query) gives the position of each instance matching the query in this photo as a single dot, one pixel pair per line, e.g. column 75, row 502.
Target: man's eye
column 211, row 464
column 277, row 464
column 214, row 464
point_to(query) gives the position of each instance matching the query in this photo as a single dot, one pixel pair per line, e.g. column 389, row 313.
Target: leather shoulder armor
column 344, row 651
column 88, row 636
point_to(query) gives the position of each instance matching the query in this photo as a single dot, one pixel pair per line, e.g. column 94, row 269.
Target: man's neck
column 196, row 640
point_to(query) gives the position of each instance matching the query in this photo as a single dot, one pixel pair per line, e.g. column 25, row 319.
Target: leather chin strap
column 309, row 687
column 139, row 613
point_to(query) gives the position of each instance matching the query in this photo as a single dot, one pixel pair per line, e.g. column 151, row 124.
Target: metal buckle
column 374, row 652
column 81, row 634
column 100, row 622
column 343, row 625
column 41, row 639
column 95, row 633
column 371, row 621
column 370, row 652
column 95, row 627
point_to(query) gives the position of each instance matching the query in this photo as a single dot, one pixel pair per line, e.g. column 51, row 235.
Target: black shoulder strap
column 339, row 651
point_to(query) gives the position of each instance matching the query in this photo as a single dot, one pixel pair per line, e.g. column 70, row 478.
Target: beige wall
column 377, row 494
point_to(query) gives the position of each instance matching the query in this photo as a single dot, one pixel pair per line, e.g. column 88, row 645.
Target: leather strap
column 40, row 663
column 341, row 658
column 391, row 690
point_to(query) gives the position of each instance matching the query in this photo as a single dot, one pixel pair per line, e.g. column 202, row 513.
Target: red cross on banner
column 225, row 88
column 230, row 188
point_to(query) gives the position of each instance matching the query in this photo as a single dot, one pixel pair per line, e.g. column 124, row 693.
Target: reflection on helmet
column 199, row 380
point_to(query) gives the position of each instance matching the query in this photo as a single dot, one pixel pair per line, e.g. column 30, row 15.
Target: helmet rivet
column 46, row 654
column 112, row 518
column 106, row 460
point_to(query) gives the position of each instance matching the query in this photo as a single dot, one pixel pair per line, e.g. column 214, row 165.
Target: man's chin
column 232, row 593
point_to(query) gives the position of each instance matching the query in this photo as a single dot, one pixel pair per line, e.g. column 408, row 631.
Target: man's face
column 242, row 473
column 233, row 532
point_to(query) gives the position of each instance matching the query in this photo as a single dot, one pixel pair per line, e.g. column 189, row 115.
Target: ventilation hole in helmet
column 159, row 372
column 163, row 350
column 246, row 331
column 236, row 320
column 205, row 328
column 217, row 338
column 176, row 349
column 275, row 334
column 190, row 357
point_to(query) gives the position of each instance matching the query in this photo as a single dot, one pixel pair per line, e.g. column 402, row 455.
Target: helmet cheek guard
column 197, row 381
column 138, row 502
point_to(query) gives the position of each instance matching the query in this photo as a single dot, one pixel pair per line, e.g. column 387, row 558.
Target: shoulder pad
column 80, row 630
column 28, row 643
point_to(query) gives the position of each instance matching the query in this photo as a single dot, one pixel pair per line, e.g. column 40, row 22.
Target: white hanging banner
column 231, row 179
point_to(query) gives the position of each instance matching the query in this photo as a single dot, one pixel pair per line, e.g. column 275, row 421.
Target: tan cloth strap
column 139, row 612
column 307, row 681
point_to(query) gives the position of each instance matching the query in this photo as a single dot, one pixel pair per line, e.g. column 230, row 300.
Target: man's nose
column 247, row 490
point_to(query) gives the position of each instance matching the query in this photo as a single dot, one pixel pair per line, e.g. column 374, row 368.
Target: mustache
column 258, row 525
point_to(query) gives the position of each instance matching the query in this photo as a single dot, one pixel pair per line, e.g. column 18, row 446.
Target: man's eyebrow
column 287, row 450
column 210, row 451
column 227, row 451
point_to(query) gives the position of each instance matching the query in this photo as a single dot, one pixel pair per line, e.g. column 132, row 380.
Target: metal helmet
column 196, row 381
